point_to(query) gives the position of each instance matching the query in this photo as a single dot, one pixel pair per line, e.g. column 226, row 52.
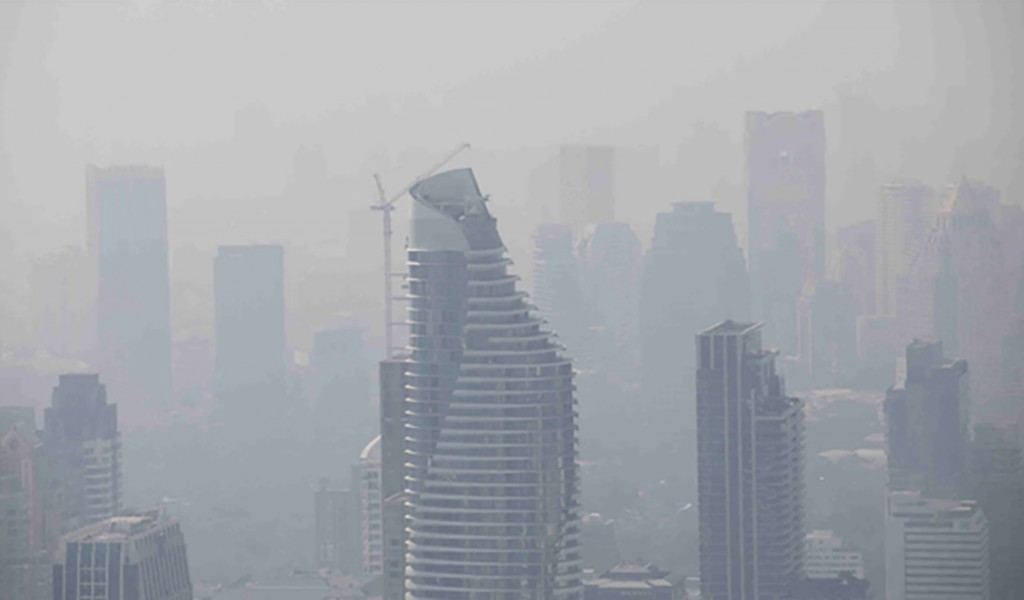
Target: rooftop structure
column 628, row 581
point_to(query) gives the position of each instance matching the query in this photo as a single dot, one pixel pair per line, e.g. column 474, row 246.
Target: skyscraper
column 249, row 315
column 335, row 519
column 935, row 549
column 857, row 264
column 750, row 468
column 906, row 215
column 491, row 473
column 392, row 475
column 366, row 478
column 786, row 212
column 927, row 421
column 81, row 434
column 557, row 285
column 693, row 275
column 140, row 554
column 588, row 186
column 127, row 237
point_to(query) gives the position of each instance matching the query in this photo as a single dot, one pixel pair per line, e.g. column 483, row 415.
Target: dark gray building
column 127, row 237
column 392, row 475
column 139, row 555
column 750, row 468
column 81, row 435
column 491, row 472
column 927, row 419
column 249, row 321
column 693, row 275
column 786, row 212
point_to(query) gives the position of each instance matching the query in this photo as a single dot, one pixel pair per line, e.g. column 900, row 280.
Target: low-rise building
column 634, row 582
column 826, row 558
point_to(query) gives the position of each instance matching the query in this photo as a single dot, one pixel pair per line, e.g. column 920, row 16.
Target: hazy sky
column 184, row 83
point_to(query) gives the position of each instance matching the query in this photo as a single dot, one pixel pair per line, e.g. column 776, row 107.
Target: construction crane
column 386, row 205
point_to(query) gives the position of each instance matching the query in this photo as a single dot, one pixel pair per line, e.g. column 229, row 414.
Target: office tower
column 341, row 395
column 63, row 323
column 335, row 521
column 935, row 549
column 587, row 185
column 557, row 285
column 366, row 476
column 81, row 434
column 127, row 237
column 491, row 473
column 825, row 557
column 786, row 214
column 249, row 315
column 28, row 511
column 693, row 275
column 927, row 418
column 750, row 468
column 996, row 479
column 634, row 582
column 612, row 261
column 906, row 215
column 826, row 334
column 857, row 264
column 140, row 554
column 392, row 475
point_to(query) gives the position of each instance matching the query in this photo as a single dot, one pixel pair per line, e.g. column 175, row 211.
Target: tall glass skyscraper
column 491, row 473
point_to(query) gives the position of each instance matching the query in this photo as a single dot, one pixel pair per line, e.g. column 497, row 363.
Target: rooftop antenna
column 386, row 205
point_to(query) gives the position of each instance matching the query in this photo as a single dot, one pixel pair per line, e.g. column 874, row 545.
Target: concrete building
column 135, row 556
column 935, row 549
column 634, row 582
column 29, row 514
column 693, row 275
column 826, row 335
column 750, row 468
column 786, row 212
column 906, row 215
column 392, row 476
column 927, row 419
column 587, row 185
column 336, row 519
column 127, row 237
column 857, row 263
column 81, row 434
column 558, row 287
column 825, row 557
column 491, row 472
column 249, row 322
column 371, row 506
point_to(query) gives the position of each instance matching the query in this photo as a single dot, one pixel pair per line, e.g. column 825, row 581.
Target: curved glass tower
column 491, row 474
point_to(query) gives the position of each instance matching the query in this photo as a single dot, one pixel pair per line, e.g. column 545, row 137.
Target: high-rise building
column 826, row 334
column 906, row 215
column 491, row 473
column 392, row 475
column 927, row 418
column 693, row 275
column 250, row 330
column 857, row 264
column 750, row 468
column 335, row 519
column 81, row 434
column 557, row 285
column 786, row 214
column 139, row 554
column 935, row 549
column 127, row 237
column 826, row 558
column 588, row 185
column 28, row 510
column 371, row 506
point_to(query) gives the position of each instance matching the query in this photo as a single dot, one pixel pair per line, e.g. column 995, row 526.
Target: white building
column 370, row 501
column 935, row 549
column 825, row 557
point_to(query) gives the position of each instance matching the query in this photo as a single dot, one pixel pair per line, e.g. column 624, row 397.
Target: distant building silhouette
column 392, row 475
column 491, row 474
column 857, row 263
column 81, row 435
column 693, row 275
column 249, row 320
column 750, row 468
column 127, row 237
column 786, row 212
column 906, row 215
column 634, row 582
column 336, row 520
column 587, row 185
column 140, row 554
column 935, row 548
column 826, row 558
column 558, row 286
column 826, row 334
column 927, row 422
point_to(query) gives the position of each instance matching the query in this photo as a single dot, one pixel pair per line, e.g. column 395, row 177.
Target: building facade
column 750, row 468
column 906, row 216
column 786, row 212
column 587, row 185
column 135, row 556
column 371, row 506
column 935, row 549
column 826, row 558
column 634, row 582
column 491, row 472
column 81, row 434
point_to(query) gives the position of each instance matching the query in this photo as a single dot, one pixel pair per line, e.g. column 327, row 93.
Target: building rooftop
column 121, row 528
column 730, row 327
